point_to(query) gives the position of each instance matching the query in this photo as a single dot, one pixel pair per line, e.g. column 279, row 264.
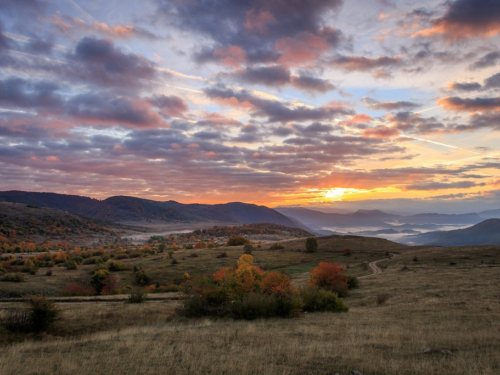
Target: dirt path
column 375, row 268
column 113, row 298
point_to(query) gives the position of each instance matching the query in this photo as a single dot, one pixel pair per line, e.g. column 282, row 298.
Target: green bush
column 116, row 266
column 137, row 295
column 316, row 299
column 43, row 313
column 14, row 277
column 352, row 282
column 311, row 245
column 247, row 249
column 97, row 279
column 71, row 264
column 236, row 241
column 141, row 277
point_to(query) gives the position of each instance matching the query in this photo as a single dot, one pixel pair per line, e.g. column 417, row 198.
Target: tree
column 311, row 245
column 329, row 276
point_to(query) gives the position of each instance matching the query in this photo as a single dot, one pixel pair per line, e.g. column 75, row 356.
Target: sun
column 335, row 194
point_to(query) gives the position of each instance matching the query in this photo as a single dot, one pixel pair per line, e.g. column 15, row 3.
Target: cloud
column 365, row 64
column 415, row 123
column 273, row 110
column 389, row 106
column 20, row 93
column 172, row 105
column 257, row 31
column 67, row 24
column 466, row 18
column 456, row 103
column 380, row 132
column 443, row 185
column 486, row 61
column 464, row 86
column 278, row 76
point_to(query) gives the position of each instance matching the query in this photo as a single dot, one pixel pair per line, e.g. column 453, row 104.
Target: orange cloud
column 257, row 22
column 456, row 103
column 381, row 132
column 302, row 49
column 233, row 55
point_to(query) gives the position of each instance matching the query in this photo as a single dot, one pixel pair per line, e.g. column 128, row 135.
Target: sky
column 387, row 104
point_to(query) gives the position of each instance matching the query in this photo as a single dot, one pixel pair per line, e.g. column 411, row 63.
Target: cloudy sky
column 276, row 102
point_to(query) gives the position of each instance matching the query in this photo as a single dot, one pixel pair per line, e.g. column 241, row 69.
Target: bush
column 221, row 255
column 236, row 241
column 137, row 295
column 141, row 277
column 115, row 266
column 97, row 279
column 109, row 284
column 311, row 245
column 17, row 320
column 347, row 252
column 174, row 262
column 329, row 276
column 71, row 265
column 316, row 299
column 14, row 277
column 76, row 289
column 43, row 313
column 352, row 282
column 277, row 246
column 247, row 248
column 382, row 298
column 48, row 273
column 255, row 306
column 193, row 255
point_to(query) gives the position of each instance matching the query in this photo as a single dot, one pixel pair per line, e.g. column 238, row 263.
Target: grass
column 432, row 304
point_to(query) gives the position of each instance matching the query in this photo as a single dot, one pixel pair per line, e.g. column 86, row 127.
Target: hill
column 375, row 218
column 38, row 224
column 484, row 233
column 123, row 209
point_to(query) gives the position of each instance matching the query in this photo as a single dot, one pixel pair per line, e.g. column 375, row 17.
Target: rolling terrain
column 484, row 233
column 121, row 209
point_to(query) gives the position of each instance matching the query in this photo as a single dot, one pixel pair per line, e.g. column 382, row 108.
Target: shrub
column 247, row 248
column 48, row 273
column 311, row 245
column 347, row 252
column 141, row 277
column 200, row 245
column 76, row 289
column 382, row 298
column 116, row 266
column 109, row 284
column 43, row 313
column 193, row 255
column 14, row 277
column 329, row 276
column 352, row 282
column 255, row 306
column 174, row 261
column 236, row 241
column 137, row 295
column 277, row 246
column 316, row 299
column 276, row 283
column 97, row 279
column 221, row 255
column 71, row 264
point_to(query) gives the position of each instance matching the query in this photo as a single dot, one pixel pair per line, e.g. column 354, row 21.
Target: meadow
column 444, row 301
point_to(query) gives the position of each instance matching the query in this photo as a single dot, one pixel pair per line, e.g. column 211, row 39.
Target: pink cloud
column 233, row 55
column 257, row 22
column 300, row 50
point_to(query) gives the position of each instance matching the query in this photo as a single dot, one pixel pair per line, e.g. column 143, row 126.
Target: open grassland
column 292, row 260
column 436, row 298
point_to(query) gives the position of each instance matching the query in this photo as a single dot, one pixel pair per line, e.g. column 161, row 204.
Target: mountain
column 375, row 219
column 484, row 233
column 123, row 209
column 490, row 214
column 20, row 221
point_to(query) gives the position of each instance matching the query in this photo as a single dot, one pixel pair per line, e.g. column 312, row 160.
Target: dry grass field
column 445, row 299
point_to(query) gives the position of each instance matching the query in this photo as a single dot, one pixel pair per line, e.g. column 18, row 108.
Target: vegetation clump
column 247, row 292
column 38, row 317
column 311, row 245
column 236, row 241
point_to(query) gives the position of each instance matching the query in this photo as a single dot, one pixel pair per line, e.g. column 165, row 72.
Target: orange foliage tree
column 330, row 276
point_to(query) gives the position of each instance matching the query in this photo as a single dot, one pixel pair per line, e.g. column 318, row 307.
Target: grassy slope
column 431, row 305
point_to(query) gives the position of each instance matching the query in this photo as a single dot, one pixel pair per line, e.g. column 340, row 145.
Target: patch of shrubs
column 137, row 295
column 277, row 246
column 115, row 266
column 221, row 255
column 141, row 277
column 76, row 289
column 247, row 249
column 16, row 277
column 247, row 292
column 311, row 245
column 236, row 241
column 38, row 317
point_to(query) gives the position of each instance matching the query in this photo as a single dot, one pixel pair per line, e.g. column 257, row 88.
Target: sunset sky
column 278, row 102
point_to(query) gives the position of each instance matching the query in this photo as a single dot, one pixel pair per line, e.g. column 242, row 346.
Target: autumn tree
column 329, row 276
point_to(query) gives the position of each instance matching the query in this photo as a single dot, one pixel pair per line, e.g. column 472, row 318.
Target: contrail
column 39, row 57
column 82, row 11
column 27, row 39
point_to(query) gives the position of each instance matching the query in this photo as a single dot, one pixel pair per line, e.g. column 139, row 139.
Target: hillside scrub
column 248, row 292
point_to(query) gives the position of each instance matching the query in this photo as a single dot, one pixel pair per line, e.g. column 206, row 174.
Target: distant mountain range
column 484, row 233
column 122, row 209
column 380, row 219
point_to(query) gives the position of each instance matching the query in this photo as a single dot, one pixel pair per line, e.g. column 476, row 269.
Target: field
column 442, row 299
